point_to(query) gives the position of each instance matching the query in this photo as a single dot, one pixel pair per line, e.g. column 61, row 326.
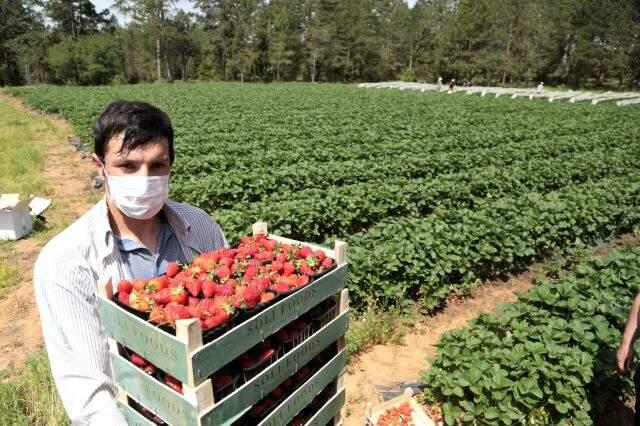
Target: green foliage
column 87, row 60
column 546, row 359
column 443, row 202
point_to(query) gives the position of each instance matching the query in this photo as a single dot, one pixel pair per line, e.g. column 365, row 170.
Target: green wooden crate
column 329, row 410
column 303, row 396
column 132, row 417
column 179, row 410
column 173, row 355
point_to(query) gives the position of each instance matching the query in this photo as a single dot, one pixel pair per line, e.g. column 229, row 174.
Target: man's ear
column 98, row 163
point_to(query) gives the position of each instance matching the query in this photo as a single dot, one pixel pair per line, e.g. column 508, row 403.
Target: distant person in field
column 452, row 85
column 439, row 84
column 133, row 232
column 625, row 356
column 540, row 88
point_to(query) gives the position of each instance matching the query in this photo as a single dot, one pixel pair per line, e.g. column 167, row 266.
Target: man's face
column 150, row 159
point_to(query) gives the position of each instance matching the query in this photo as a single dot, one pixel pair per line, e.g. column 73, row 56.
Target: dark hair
column 141, row 123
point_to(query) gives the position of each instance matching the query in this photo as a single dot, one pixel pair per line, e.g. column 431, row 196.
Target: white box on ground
column 15, row 217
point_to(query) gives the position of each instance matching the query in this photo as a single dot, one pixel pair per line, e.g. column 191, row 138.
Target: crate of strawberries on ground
column 214, row 341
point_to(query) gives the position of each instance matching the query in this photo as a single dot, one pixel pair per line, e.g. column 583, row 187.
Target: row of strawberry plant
column 225, row 118
column 546, row 359
column 316, row 214
column 223, row 189
column 233, row 156
column 428, row 258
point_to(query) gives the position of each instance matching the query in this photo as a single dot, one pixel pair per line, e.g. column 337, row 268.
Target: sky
column 182, row 4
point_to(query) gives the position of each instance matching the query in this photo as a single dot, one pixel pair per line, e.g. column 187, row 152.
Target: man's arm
column 76, row 346
column 624, row 357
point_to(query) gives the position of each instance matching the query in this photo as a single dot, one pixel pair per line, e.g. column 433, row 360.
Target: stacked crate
column 185, row 357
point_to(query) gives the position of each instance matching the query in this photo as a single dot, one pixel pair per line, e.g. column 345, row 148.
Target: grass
column 21, row 160
column 8, row 278
column 28, row 395
column 27, row 392
column 375, row 326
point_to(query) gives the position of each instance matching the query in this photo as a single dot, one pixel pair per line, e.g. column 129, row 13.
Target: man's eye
column 128, row 166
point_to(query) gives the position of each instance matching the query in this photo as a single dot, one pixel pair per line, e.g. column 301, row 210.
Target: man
column 439, row 84
column 540, row 88
column 625, row 354
column 132, row 233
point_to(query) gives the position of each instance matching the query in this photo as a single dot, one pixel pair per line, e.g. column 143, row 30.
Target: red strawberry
column 282, row 257
column 250, row 272
column 150, row 369
column 123, row 297
column 156, row 284
column 158, row 316
column 277, row 266
column 194, row 287
column 319, row 254
column 175, row 311
column 269, row 245
column 305, row 252
column 288, row 268
column 196, row 311
column 327, row 262
column 179, row 295
column 208, row 288
column 162, row 297
column 222, row 380
column 193, row 301
column 223, row 272
column 225, row 290
column 125, row 286
column 172, row 269
column 265, row 355
column 282, row 335
column 303, row 280
column 140, row 301
column 173, row 383
column 251, row 296
column 265, row 256
column 290, row 281
column 227, row 261
column 281, row 287
column 261, row 283
column 138, row 360
column 266, row 297
column 306, row 269
column 139, row 284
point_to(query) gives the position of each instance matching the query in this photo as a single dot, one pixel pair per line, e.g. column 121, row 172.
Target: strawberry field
column 432, row 193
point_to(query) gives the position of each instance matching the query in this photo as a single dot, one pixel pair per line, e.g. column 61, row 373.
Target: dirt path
column 68, row 185
column 389, row 364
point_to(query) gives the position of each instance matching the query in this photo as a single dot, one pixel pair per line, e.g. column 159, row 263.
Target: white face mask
column 138, row 197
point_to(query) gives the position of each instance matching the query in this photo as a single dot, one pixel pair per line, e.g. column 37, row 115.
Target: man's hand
column 624, row 357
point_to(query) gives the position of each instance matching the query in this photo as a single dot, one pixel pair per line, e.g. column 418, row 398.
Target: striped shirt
column 65, row 277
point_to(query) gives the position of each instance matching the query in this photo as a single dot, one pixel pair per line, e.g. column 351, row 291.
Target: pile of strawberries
column 218, row 283
column 397, row 416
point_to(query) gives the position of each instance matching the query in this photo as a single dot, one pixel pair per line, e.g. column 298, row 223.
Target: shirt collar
column 178, row 224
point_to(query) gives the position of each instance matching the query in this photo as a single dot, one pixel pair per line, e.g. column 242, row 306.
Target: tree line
column 571, row 42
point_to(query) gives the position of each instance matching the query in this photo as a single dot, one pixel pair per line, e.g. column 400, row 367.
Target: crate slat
column 132, row 417
column 162, row 349
column 328, row 410
column 304, row 395
column 215, row 355
column 254, row 390
column 156, row 396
